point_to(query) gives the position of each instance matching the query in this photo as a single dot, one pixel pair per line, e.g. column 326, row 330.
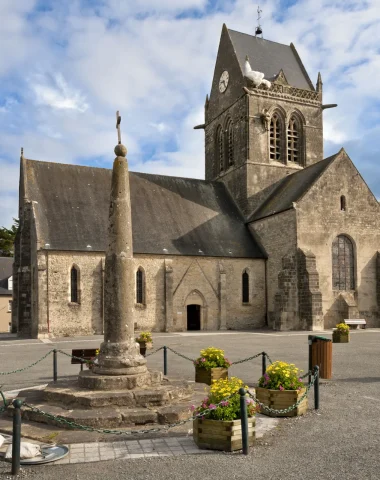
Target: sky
column 66, row 67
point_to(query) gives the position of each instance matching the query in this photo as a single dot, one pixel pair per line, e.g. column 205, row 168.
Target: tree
column 7, row 239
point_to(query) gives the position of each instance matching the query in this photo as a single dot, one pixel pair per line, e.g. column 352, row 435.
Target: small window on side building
column 74, row 280
column 343, row 205
column 140, row 286
column 245, row 287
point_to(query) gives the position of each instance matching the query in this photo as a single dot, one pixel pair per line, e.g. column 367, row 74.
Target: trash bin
column 320, row 353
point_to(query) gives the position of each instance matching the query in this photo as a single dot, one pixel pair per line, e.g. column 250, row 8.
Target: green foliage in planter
column 228, row 409
column 282, row 376
column 342, row 329
column 145, row 337
column 212, row 357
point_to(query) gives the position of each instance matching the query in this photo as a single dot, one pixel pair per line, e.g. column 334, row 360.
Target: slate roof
column 6, row 265
column 184, row 216
column 270, row 57
column 290, row 189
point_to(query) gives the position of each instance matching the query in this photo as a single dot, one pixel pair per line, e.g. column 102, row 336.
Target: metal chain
column 180, row 355
column 122, row 432
column 154, row 351
column 268, row 357
column 292, row 407
column 246, row 359
column 5, row 406
column 29, row 366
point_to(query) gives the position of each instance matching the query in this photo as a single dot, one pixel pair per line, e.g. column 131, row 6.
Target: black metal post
column 16, row 440
column 316, row 387
column 244, row 420
column 55, row 369
column 310, row 339
column 165, row 360
column 264, row 362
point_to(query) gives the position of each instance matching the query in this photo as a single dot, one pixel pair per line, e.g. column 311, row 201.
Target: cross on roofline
column 118, row 120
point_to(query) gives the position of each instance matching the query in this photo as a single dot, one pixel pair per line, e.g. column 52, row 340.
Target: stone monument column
column 119, row 353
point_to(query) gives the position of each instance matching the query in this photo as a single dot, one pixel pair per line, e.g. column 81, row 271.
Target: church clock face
column 223, row 82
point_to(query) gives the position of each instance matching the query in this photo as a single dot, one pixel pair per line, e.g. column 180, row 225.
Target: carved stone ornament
column 265, row 117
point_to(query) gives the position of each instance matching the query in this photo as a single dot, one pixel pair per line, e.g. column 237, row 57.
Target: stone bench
column 355, row 321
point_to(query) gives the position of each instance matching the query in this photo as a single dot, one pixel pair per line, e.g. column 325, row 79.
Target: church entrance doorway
column 193, row 317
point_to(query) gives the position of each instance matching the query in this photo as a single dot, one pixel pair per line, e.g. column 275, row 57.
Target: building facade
column 275, row 235
column 6, row 287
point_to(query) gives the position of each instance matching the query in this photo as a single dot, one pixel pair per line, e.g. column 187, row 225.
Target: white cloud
column 55, row 92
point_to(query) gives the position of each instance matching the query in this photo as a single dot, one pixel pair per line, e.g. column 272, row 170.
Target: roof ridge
column 130, row 171
column 68, row 164
column 258, row 38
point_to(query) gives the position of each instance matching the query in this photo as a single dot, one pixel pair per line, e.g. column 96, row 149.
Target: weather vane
column 259, row 30
column 118, row 120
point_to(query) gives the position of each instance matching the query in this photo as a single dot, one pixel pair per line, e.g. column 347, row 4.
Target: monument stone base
column 111, row 402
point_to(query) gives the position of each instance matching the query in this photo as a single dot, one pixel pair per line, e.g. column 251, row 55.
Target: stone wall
column 321, row 220
column 278, row 235
column 171, row 283
column 62, row 316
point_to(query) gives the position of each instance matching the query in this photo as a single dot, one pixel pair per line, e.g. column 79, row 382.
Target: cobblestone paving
column 95, row 452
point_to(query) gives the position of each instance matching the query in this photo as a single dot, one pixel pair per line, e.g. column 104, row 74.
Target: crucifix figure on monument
column 118, row 120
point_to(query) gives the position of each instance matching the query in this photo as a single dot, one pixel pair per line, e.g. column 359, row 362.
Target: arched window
column 343, row 203
column 74, row 280
column 219, row 148
column 276, row 138
column 294, row 145
column 245, row 287
column 343, row 274
column 230, row 144
column 140, row 286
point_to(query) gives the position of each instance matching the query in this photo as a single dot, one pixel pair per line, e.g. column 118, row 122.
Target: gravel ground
column 341, row 441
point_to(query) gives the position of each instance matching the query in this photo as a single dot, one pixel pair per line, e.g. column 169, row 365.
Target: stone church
column 274, row 236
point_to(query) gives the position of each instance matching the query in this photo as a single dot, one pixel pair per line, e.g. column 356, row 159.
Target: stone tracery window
column 219, row 144
column 343, row 272
column 294, row 133
column 74, row 280
column 230, row 144
column 140, row 286
column 245, row 287
column 276, row 138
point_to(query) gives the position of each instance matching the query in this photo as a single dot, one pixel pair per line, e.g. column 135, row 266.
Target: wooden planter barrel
column 208, row 376
column 281, row 399
column 338, row 337
column 221, row 435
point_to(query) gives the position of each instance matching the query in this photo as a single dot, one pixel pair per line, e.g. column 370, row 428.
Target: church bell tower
column 263, row 118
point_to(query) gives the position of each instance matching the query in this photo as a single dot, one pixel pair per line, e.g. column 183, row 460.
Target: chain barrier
column 247, row 359
column 180, row 355
column 29, row 366
column 292, row 407
column 5, row 405
column 268, row 357
column 122, row 432
column 154, row 351
column 146, row 355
